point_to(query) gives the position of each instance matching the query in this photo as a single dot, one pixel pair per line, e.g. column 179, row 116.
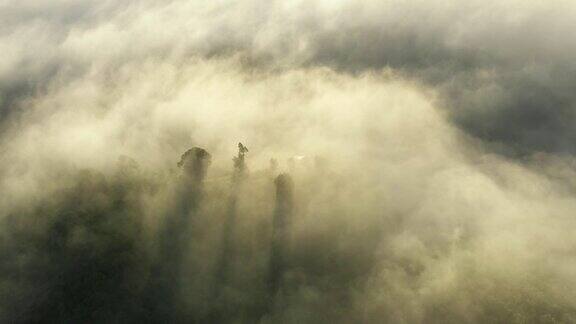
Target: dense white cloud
column 434, row 177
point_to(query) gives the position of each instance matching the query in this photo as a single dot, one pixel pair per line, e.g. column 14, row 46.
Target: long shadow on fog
column 162, row 296
column 218, row 311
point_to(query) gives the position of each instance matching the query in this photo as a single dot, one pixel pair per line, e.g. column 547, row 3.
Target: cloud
column 504, row 68
column 433, row 184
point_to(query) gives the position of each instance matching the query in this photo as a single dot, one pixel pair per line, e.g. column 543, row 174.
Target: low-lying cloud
column 423, row 150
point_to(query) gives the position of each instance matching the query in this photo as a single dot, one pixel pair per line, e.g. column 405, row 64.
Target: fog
column 287, row 162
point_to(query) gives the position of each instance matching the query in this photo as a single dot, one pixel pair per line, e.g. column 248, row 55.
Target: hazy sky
column 446, row 191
